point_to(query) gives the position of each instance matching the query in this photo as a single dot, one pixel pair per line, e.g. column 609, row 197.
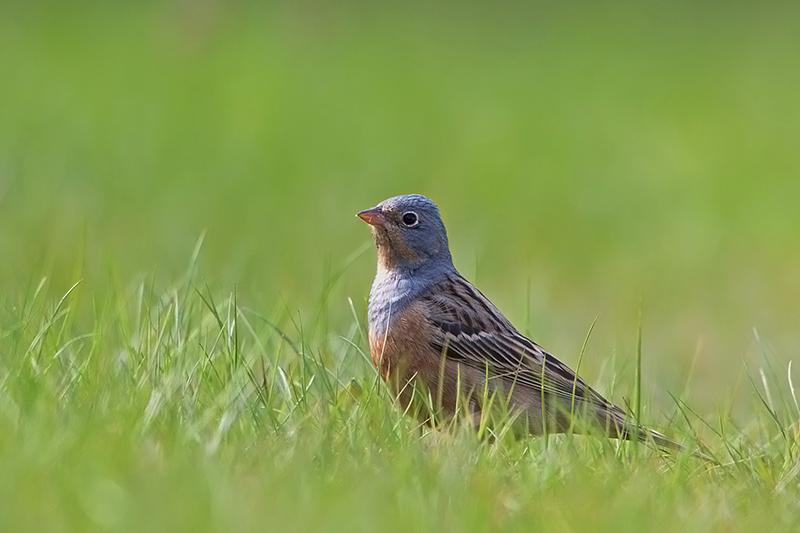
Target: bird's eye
column 410, row 219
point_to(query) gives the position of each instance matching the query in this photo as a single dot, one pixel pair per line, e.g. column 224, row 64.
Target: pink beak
column 373, row 217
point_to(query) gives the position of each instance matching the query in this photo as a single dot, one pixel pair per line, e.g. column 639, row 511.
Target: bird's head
column 409, row 232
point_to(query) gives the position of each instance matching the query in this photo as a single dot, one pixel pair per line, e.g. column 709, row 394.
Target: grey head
column 413, row 253
column 409, row 233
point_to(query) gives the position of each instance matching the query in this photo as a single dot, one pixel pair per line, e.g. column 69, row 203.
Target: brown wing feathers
column 471, row 330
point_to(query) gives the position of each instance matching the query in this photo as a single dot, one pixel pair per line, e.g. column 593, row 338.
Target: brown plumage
column 432, row 331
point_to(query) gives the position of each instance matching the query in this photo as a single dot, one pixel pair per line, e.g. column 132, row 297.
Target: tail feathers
column 659, row 439
column 619, row 426
column 665, row 443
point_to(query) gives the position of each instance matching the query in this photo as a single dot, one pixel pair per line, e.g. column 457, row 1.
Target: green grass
column 181, row 410
column 183, row 282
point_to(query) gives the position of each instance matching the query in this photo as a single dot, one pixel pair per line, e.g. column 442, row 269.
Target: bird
column 431, row 330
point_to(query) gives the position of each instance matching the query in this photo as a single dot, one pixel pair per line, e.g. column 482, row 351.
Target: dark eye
column 410, row 219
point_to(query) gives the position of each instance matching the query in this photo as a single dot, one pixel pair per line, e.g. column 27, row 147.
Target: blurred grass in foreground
column 588, row 161
column 183, row 411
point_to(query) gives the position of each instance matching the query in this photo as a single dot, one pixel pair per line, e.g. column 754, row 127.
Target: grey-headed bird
column 431, row 329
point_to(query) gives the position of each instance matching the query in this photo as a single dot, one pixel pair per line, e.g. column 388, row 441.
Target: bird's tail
column 665, row 443
column 621, row 427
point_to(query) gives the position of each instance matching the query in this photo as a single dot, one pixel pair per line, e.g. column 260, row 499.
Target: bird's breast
column 388, row 297
column 403, row 348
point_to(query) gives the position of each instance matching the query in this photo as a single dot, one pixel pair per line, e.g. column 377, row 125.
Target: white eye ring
column 410, row 219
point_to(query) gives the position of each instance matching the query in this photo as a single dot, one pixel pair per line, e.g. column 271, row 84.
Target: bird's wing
column 469, row 329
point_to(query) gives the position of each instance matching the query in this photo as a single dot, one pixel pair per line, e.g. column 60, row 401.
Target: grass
column 620, row 181
column 179, row 409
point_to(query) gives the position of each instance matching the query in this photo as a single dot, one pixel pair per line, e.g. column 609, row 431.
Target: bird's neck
column 396, row 255
column 394, row 288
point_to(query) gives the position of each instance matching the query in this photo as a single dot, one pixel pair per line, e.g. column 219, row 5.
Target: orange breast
column 404, row 350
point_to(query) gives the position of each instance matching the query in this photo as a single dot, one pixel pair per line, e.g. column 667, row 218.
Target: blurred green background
column 589, row 161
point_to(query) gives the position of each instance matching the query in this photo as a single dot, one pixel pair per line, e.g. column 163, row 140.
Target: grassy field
column 183, row 281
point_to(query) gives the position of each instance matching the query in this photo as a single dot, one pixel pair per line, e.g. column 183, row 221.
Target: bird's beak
column 373, row 217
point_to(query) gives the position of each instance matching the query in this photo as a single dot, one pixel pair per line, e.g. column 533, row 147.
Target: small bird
column 430, row 329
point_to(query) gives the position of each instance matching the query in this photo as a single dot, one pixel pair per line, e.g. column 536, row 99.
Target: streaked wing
column 468, row 328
